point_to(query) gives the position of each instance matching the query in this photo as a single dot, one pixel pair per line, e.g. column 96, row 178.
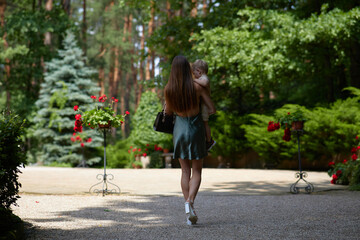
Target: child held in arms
column 200, row 70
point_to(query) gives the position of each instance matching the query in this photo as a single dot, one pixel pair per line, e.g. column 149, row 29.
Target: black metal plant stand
column 309, row 188
column 105, row 178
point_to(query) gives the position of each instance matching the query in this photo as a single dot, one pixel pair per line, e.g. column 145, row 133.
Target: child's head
column 199, row 67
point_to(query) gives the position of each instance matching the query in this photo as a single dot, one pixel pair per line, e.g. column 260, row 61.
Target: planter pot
column 165, row 150
column 105, row 125
column 297, row 125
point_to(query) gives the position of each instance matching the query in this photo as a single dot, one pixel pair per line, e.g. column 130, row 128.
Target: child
column 200, row 70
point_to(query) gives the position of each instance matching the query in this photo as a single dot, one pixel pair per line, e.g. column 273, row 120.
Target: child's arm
column 202, row 81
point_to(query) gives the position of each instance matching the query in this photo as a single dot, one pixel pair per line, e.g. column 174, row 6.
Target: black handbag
column 164, row 123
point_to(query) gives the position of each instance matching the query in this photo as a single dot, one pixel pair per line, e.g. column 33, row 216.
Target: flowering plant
column 347, row 171
column 285, row 122
column 102, row 116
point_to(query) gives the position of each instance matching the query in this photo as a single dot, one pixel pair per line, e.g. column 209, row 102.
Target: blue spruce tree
column 67, row 83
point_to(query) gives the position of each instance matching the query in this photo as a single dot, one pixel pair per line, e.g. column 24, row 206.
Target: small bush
column 117, row 155
column 12, row 156
column 156, row 160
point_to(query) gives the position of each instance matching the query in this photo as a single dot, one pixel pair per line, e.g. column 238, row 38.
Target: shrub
column 347, row 172
column 156, row 160
column 143, row 133
column 117, row 155
column 12, row 156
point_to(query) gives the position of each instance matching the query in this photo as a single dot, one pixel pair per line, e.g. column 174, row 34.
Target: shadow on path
column 221, row 216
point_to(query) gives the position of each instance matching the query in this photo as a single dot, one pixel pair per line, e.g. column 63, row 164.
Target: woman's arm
column 204, row 94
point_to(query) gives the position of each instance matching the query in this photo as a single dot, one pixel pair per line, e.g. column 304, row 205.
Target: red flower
column 144, row 154
column 271, row 126
column 89, row 140
column 116, row 100
column 345, row 161
column 127, row 113
column 93, row 97
column 146, row 149
column 334, row 177
column 78, row 138
column 287, row 135
column 129, row 151
column 78, row 116
column 288, row 113
column 353, row 150
column 333, row 181
column 331, row 163
column 131, row 146
column 82, row 144
column 76, row 108
column 72, row 139
column 277, row 126
column 74, row 134
column 354, row 157
column 357, row 137
column 147, row 145
column 134, row 150
column 338, row 173
column 139, row 149
column 358, row 147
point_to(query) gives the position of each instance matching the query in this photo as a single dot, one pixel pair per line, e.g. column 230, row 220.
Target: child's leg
column 207, row 131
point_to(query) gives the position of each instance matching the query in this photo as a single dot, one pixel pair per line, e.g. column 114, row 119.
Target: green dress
column 189, row 138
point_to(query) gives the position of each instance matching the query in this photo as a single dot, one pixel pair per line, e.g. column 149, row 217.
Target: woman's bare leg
column 195, row 180
column 185, row 177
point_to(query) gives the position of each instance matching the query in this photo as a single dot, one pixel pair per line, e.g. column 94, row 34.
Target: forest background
column 265, row 58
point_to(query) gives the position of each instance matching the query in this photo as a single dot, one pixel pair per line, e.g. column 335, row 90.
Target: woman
column 183, row 97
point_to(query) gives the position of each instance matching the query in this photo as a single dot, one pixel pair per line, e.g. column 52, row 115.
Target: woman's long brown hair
column 180, row 94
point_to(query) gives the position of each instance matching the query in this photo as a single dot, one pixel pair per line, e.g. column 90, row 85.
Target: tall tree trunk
column 48, row 7
column 67, row 6
column 168, row 9
column 193, row 12
column 7, row 61
column 179, row 12
column 141, row 66
column 150, row 31
column 205, row 10
column 84, row 28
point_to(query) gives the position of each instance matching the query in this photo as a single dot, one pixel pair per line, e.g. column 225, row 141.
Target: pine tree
column 67, row 83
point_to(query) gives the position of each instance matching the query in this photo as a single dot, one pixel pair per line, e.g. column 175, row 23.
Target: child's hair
column 200, row 64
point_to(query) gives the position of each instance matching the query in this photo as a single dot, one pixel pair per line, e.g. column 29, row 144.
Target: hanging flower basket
column 103, row 116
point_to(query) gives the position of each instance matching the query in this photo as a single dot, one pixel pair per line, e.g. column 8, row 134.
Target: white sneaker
column 190, row 212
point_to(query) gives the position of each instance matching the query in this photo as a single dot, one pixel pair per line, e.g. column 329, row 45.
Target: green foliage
column 67, row 83
column 12, row 156
column 269, row 145
column 156, row 160
column 25, row 29
column 275, row 51
column 102, row 115
column 143, row 121
column 229, row 139
column 117, row 156
column 328, row 132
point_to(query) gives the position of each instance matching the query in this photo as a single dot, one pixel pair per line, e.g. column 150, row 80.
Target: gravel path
column 331, row 215
column 232, row 204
